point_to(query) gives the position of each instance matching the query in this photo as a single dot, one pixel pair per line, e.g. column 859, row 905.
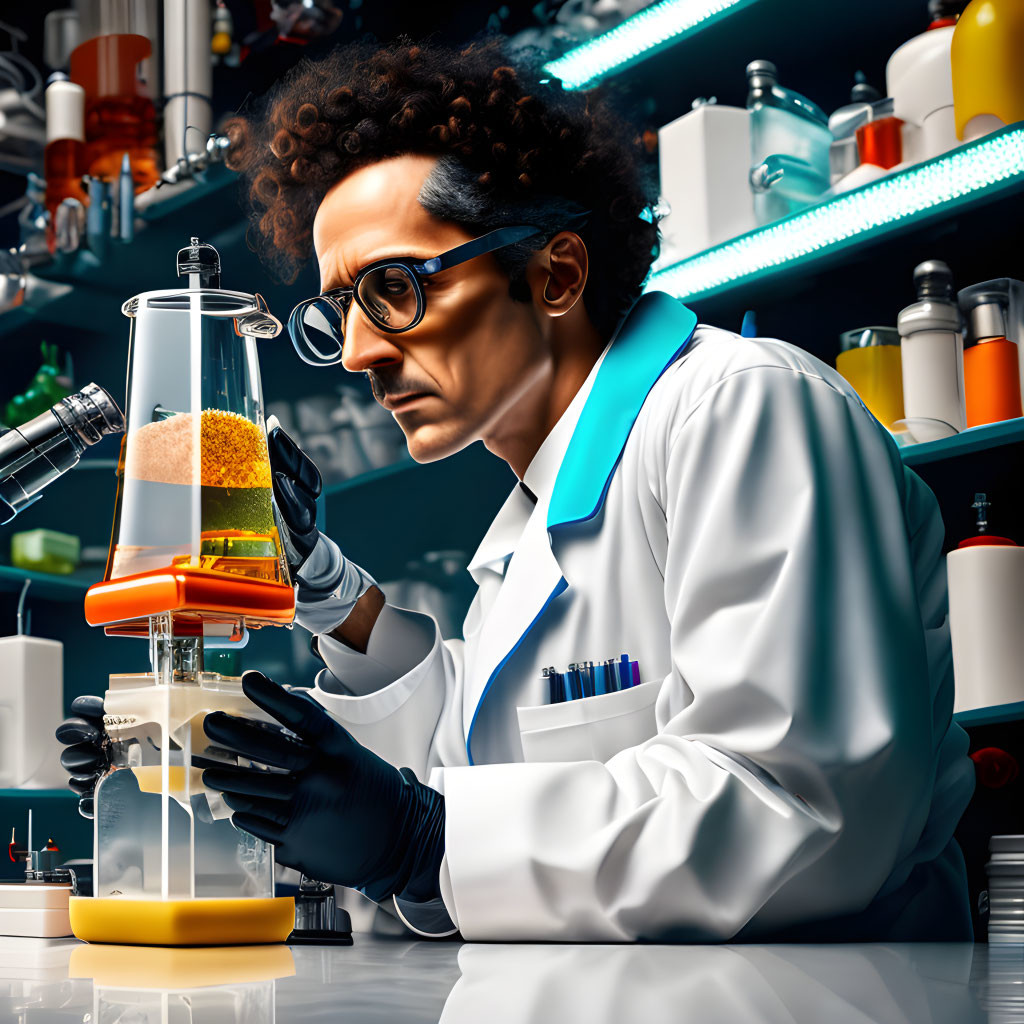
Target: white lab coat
column 725, row 511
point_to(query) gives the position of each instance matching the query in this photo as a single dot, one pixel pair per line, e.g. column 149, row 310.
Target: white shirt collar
column 504, row 533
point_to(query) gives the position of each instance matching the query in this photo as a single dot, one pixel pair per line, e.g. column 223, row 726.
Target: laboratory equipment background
column 838, row 280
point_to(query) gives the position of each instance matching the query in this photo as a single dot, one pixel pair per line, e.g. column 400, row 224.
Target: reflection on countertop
column 397, row 981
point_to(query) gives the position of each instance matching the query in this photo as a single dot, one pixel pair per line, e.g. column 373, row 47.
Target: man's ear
column 558, row 274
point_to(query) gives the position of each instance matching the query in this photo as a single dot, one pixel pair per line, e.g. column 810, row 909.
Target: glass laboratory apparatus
column 195, row 558
column 789, row 145
column 871, row 360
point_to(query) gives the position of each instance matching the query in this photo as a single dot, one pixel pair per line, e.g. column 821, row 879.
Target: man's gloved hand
column 329, row 584
column 87, row 756
column 338, row 812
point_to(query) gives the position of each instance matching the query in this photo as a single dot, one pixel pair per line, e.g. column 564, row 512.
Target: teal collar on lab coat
column 654, row 333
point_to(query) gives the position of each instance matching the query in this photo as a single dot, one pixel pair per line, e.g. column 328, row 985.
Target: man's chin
column 429, row 443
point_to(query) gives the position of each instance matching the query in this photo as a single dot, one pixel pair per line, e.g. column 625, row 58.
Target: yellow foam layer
column 163, row 968
column 199, row 922
column 149, row 778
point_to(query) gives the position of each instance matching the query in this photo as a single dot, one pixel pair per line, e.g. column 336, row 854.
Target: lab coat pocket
column 589, row 729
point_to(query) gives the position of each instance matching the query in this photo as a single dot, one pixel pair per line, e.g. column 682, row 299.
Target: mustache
column 384, row 384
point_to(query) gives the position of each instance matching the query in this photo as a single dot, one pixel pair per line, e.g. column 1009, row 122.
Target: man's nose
column 364, row 348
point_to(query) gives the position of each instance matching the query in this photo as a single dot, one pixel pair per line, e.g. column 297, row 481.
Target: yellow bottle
column 871, row 361
column 988, row 70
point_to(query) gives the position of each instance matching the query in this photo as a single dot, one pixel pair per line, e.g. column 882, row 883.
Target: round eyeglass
column 389, row 292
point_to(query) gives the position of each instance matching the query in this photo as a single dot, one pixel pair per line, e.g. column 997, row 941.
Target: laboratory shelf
column 48, row 586
column 974, row 439
column 170, row 199
column 640, row 36
column 968, row 176
column 37, row 795
column 14, row 318
column 995, row 715
column 374, row 476
column 391, row 516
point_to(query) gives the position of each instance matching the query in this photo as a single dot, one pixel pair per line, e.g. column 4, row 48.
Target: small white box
column 704, row 159
column 36, row 910
column 31, row 708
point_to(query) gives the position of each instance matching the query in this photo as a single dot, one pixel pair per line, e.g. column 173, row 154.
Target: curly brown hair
column 518, row 147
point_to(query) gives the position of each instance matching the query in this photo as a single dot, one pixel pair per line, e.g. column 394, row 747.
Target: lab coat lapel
column 656, row 331
column 532, row 581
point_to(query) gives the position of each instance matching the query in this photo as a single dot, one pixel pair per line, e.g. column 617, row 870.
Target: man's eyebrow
column 404, row 254
column 334, row 288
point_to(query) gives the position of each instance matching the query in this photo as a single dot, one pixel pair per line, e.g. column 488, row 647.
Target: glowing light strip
column 637, row 37
column 992, row 164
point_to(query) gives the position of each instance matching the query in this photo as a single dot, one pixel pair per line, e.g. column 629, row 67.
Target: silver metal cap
column 987, row 320
column 933, row 280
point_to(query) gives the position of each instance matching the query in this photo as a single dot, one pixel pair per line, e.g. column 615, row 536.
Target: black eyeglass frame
column 340, row 299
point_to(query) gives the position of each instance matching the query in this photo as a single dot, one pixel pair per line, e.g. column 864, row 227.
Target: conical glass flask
column 195, row 531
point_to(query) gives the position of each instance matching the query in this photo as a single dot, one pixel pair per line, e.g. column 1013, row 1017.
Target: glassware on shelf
column 64, row 156
column 789, row 146
column 992, row 390
column 920, row 82
column 114, row 64
column 988, row 77
column 869, row 359
column 346, row 433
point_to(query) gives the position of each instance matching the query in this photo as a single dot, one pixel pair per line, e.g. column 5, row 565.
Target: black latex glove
column 87, row 756
column 338, row 812
column 297, row 484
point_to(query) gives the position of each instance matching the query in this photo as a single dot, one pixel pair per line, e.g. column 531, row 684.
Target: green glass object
column 48, row 387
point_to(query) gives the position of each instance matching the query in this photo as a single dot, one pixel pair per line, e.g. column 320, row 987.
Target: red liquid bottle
column 118, row 117
column 64, row 156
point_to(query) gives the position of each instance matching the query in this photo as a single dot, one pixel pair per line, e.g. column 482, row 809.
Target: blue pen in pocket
column 554, row 685
column 623, row 669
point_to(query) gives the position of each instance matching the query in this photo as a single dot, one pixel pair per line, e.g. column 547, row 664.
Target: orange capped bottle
column 991, row 366
column 64, row 156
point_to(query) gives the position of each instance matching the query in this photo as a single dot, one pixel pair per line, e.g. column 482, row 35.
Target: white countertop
column 397, row 981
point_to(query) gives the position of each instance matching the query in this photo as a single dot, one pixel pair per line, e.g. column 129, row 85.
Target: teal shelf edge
column 174, row 198
column 47, row 585
column 371, row 477
column 966, row 176
column 991, row 716
column 37, row 794
column 974, row 439
column 15, row 317
column 640, row 36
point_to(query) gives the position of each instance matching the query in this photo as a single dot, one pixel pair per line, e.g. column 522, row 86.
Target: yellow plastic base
column 200, row 922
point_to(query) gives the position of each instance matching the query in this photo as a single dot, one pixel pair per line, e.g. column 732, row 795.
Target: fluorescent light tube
column 639, row 36
column 992, row 164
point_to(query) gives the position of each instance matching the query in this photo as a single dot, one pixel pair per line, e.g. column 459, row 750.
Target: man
column 723, row 510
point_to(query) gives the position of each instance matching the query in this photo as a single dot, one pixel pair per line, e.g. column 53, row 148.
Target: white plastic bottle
column 986, row 594
column 932, row 354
